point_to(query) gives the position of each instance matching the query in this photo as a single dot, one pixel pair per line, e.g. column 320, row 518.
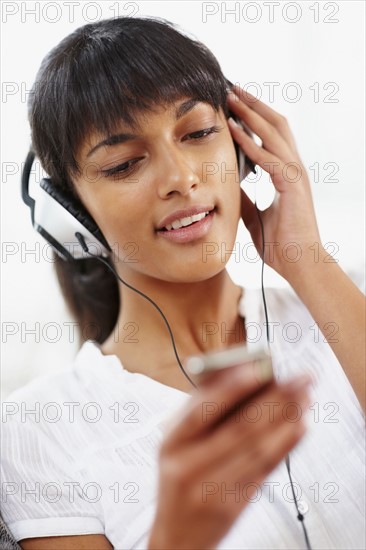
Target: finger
column 275, row 118
column 205, row 407
column 281, row 173
column 239, row 437
column 250, row 426
column 272, row 140
column 254, row 420
column 252, row 465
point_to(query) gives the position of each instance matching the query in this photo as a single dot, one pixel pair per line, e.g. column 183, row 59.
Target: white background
column 296, row 45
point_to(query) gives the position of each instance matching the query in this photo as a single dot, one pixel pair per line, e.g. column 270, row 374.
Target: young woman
column 127, row 116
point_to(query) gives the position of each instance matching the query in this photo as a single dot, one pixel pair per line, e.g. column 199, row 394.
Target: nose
column 176, row 173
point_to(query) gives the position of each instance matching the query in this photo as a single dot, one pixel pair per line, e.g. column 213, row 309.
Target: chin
column 195, row 272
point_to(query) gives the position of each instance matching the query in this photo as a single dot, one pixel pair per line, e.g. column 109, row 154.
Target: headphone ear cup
column 58, row 216
column 75, row 209
column 61, row 218
column 244, row 162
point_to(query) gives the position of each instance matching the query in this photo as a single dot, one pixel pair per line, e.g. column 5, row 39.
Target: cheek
column 125, row 220
column 228, row 180
column 121, row 216
column 226, row 159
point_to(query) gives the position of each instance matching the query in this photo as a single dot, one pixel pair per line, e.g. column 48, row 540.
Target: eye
column 126, row 168
column 123, row 169
column 201, row 134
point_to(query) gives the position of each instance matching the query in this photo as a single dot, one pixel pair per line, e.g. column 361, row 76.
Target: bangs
column 107, row 73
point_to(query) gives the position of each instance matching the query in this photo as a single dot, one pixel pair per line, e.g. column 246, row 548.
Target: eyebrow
column 180, row 111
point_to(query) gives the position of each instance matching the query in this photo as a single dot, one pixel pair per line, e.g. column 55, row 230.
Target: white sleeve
column 41, row 497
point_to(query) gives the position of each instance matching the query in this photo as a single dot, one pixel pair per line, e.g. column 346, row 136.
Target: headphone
column 57, row 216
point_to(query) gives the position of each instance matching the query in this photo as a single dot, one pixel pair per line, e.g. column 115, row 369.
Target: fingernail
column 258, row 369
column 233, row 95
column 233, row 122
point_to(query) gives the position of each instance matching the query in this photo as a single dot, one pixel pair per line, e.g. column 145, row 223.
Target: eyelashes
column 205, row 132
column 126, row 168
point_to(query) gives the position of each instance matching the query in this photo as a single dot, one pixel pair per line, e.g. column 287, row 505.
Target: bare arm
column 81, row 542
column 290, row 226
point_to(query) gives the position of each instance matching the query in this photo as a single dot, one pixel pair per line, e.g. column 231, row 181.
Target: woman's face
column 131, row 183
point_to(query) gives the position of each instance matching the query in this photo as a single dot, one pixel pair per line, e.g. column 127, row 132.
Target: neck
column 203, row 316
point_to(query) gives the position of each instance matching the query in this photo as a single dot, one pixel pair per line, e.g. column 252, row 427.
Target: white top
column 85, row 461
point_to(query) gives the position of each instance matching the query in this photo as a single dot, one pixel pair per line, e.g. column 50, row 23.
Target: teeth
column 183, row 222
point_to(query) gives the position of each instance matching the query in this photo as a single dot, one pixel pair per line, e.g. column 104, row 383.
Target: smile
column 184, row 222
column 189, row 229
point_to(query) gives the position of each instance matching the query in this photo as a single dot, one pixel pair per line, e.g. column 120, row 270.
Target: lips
column 180, row 214
column 194, row 232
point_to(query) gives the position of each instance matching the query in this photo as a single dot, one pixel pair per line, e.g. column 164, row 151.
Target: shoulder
column 285, row 303
column 58, row 382
column 41, row 444
column 297, row 343
column 283, row 310
column 80, row 377
column 45, row 411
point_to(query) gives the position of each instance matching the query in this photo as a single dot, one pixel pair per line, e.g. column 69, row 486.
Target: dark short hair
column 100, row 74
column 108, row 71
